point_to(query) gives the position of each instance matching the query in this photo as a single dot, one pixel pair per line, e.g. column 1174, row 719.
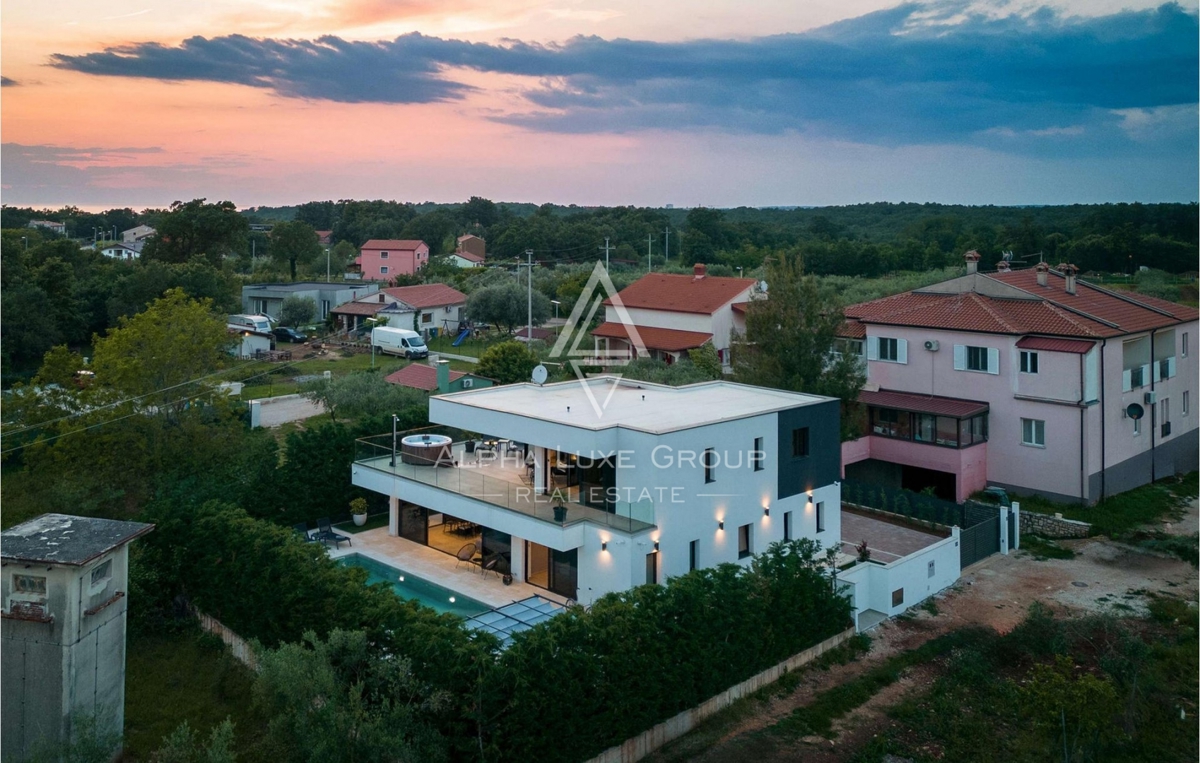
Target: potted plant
column 560, row 511
column 358, row 510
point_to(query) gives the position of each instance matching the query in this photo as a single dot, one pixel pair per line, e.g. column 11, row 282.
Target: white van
column 256, row 322
column 399, row 342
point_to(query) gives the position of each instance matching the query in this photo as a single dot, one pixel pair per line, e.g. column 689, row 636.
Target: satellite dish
column 762, row 286
column 1135, row 411
column 539, row 374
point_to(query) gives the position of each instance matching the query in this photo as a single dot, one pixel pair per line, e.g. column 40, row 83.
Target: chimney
column 699, row 270
column 1002, row 266
column 972, row 258
column 1043, row 271
column 1070, row 272
column 443, row 376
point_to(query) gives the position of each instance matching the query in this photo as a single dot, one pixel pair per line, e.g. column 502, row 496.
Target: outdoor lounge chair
column 325, row 534
column 465, row 554
column 301, row 529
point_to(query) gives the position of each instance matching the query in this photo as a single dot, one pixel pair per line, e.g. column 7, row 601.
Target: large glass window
column 800, row 442
column 744, row 549
column 925, row 427
column 889, row 422
column 947, row 431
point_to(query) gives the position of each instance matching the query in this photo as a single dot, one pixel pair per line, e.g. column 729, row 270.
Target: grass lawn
column 471, row 347
column 373, row 523
column 1119, row 514
column 187, row 676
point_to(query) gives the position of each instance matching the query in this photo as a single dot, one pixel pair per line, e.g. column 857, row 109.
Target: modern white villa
column 585, row 488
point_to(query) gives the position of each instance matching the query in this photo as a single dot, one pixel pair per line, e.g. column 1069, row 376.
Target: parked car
column 285, row 334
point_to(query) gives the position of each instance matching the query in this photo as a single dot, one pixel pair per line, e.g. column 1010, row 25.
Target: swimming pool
column 409, row 586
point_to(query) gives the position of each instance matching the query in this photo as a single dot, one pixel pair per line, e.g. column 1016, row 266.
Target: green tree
column 294, row 244
column 507, row 362
column 194, row 227
column 507, row 305
column 792, row 339
column 365, row 394
column 155, row 354
column 297, row 310
column 706, row 360
column 1075, row 707
column 183, row 745
column 342, row 254
column 657, row 372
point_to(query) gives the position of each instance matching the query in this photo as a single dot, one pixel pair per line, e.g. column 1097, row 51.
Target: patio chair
column 325, row 533
column 301, row 529
column 465, row 554
column 490, row 564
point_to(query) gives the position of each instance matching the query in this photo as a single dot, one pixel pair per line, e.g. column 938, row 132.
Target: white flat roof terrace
column 631, row 404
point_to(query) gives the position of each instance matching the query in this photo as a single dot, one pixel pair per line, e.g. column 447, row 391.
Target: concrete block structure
column 64, row 587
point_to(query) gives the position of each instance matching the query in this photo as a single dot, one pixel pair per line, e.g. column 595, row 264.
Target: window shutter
column 1145, row 373
column 993, row 360
column 872, row 348
column 1171, row 366
column 1126, row 380
column 1156, row 369
column 901, row 350
column 960, row 357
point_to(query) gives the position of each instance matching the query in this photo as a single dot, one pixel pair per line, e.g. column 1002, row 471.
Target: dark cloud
column 914, row 73
column 8, row 82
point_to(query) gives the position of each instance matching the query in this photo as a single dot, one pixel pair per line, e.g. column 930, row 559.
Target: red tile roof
column 468, row 256
column 1050, row 344
column 670, row 340
column 419, row 376
column 739, row 307
column 403, row 245
column 1092, row 312
column 427, row 295
column 359, row 308
column 538, row 333
column 907, row 401
column 682, row 293
column 852, row 330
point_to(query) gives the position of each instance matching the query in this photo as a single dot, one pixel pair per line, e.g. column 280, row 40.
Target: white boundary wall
column 919, row 575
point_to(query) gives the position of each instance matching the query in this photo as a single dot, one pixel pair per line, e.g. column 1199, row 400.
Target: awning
column 907, row 401
column 1053, row 344
column 670, row 340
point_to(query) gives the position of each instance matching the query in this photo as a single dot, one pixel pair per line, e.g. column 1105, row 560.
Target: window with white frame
column 383, row 255
column 1137, row 427
column 1029, row 362
column 383, row 269
column 980, row 359
column 888, row 348
column 1033, row 432
column 1164, row 416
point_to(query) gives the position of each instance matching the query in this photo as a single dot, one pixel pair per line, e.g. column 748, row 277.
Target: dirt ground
column 1103, row 576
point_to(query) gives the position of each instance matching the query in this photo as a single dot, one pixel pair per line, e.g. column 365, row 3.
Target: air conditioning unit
column 1151, row 398
column 468, row 383
column 932, row 345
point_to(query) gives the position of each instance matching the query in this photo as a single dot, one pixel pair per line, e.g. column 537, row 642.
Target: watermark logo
column 577, row 348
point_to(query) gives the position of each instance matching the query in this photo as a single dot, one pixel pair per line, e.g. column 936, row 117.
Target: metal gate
column 1013, row 540
column 979, row 541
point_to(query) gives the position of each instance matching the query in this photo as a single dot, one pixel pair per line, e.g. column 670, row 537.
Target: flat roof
column 67, row 539
column 632, row 404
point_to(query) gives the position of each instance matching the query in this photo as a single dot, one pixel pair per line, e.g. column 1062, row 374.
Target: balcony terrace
column 499, row 477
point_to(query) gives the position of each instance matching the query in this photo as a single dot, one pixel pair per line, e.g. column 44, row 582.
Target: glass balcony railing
column 496, row 480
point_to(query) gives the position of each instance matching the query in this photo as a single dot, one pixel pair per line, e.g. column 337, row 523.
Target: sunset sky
column 766, row 102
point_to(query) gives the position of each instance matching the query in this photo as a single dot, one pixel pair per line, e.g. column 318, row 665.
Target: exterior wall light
column 603, row 545
column 810, row 500
column 655, row 545
column 721, row 524
column 766, row 511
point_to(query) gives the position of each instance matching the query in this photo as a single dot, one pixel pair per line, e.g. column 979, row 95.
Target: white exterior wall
column 719, row 323
column 873, row 584
column 685, row 507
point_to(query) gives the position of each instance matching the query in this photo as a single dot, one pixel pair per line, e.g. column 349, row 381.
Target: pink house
column 384, row 259
column 1032, row 380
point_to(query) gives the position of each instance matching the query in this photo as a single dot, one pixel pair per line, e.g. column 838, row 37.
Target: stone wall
column 1052, row 526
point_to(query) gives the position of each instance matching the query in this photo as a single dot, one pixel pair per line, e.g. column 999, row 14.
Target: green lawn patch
column 1119, row 514
column 373, row 523
column 192, row 677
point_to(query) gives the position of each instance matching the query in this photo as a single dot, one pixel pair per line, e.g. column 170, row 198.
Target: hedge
column 594, row 677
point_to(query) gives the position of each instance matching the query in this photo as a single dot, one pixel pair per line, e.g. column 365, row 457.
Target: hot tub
column 426, row 449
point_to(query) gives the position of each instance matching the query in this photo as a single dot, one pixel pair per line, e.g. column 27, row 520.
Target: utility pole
column 606, row 247
column 529, row 303
column 667, row 245
column 649, row 244
column 327, row 265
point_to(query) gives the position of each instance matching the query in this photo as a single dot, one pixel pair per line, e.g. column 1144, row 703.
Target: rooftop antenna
column 1007, row 256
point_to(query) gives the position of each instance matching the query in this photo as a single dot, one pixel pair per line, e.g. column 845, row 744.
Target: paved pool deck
column 441, row 568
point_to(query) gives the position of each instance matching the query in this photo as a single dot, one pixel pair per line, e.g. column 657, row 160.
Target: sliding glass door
column 556, row 571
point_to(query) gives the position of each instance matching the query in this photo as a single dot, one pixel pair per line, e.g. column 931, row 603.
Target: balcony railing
column 473, row 481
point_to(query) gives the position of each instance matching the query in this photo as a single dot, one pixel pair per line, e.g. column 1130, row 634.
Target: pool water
column 409, row 586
